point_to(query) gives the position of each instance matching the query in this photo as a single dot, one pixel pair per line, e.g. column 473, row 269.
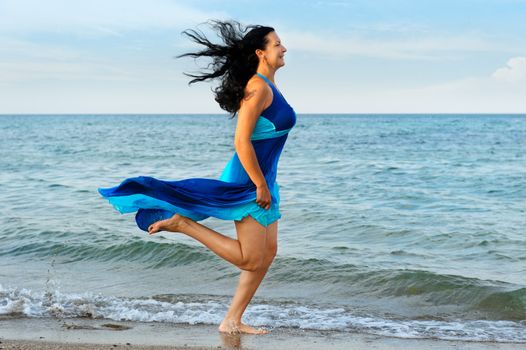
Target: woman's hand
column 263, row 196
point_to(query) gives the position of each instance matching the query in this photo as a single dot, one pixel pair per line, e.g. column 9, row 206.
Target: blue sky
column 116, row 56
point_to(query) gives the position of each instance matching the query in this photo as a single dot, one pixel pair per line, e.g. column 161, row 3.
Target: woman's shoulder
column 257, row 82
column 258, row 88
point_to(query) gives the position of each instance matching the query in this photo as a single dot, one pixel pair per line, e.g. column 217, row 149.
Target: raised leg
column 253, row 252
column 244, row 252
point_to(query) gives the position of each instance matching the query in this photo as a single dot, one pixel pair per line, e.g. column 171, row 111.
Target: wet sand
column 80, row 333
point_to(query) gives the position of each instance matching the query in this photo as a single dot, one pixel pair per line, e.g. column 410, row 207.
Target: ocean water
column 401, row 225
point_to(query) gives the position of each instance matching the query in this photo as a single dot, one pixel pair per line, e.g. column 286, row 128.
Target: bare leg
column 253, row 252
column 243, row 252
column 249, row 281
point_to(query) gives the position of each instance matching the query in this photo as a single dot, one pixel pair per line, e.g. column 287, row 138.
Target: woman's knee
column 261, row 261
column 256, row 262
column 253, row 262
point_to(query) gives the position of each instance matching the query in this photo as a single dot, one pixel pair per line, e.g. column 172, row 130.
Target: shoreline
column 83, row 333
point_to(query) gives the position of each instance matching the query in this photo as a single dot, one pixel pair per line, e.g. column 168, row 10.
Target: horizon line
column 223, row 114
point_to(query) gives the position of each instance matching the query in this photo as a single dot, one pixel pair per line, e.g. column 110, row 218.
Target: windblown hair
column 234, row 63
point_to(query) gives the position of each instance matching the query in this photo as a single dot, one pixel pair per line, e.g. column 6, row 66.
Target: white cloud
column 429, row 46
column 515, row 70
column 25, row 61
column 466, row 95
column 97, row 17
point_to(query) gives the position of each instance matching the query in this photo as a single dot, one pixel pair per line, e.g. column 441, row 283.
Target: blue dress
column 231, row 197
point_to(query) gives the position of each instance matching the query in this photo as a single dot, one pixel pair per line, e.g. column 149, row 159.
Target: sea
column 410, row 226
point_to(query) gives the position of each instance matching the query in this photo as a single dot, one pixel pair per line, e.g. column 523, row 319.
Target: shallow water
column 405, row 225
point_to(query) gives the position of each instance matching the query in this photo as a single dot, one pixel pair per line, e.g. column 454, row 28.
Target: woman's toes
column 173, row 224
column 233, row 327
column 251, row 330
column 153, row 228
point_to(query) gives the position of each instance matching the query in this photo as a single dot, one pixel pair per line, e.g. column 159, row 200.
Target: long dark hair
column 235, row 62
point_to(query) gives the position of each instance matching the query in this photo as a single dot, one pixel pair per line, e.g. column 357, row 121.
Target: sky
column 117, row 56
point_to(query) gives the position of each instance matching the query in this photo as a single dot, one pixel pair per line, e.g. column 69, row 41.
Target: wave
column 463, row 296
column 207, row 309
column 152, row 254
column 418, row 293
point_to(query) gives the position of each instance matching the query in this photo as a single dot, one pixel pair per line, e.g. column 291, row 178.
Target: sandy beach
column 79, row 333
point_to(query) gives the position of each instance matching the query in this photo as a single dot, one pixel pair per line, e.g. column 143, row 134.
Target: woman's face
column 274, row 53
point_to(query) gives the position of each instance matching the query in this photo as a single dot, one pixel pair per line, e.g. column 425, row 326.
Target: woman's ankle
column 231, row 320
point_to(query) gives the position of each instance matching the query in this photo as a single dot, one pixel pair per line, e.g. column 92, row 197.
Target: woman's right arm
column 257, row 93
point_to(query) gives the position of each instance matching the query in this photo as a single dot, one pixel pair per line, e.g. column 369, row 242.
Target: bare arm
column 250, row 109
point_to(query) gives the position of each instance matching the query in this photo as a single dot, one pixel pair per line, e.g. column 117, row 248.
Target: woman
column 247, row 191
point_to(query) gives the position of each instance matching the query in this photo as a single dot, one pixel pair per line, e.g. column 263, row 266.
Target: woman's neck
column 267, row 73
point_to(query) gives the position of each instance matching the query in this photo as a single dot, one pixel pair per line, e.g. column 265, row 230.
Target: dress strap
column 265, row 78
column 270, row 83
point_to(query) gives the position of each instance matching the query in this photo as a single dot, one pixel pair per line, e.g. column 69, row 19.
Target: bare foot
column 173, row 224
column 235, row 327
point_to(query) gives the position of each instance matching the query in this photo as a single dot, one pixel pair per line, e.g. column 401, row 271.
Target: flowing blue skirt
column 197, row 198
